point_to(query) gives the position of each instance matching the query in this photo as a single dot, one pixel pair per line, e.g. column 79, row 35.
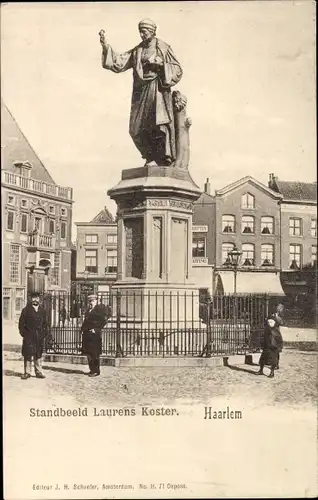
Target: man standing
column 95, row 319
column 33, row 328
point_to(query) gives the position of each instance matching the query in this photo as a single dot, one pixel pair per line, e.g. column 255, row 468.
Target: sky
column 249, row 77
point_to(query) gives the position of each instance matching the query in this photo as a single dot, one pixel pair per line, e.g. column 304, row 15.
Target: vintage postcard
column 159, row 229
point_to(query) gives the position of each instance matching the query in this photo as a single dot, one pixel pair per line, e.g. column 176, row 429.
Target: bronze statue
column 153, row 116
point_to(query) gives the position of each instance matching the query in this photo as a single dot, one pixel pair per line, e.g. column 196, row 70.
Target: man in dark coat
column 33, row 328
column 272, row 345
column 95, row 319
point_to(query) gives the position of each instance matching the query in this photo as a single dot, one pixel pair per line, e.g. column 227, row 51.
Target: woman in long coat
column 155, row 70
column 272, row 345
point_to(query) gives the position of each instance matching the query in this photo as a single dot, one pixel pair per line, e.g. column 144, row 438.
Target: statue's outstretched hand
column 102, row 38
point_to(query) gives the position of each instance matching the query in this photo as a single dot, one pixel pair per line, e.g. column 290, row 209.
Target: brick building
column 96, row 253
column 298, row 218
column 36, row 222
column 245, row 213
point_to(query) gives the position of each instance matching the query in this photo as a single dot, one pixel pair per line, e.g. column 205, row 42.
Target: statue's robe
column 151, row 119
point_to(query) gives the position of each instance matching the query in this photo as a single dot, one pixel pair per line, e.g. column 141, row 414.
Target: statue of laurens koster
column 152, row 117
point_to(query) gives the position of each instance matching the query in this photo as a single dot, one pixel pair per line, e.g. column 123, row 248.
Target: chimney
column 207, row 186
column 272, row 181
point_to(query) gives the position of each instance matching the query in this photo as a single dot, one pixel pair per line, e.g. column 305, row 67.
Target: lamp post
column 234, row 257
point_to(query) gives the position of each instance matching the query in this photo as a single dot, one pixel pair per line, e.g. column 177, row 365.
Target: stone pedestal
column 155, row 244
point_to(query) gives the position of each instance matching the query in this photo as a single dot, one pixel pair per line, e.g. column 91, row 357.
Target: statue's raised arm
column 102, row 38
column 155, row 70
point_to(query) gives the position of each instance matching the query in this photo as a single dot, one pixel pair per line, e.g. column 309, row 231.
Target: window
column 63, row 230
column 52, row 209
column 198, row 247
column 294, row 256
column 18, row 305
column 24, row 203
column 228, row 224
column 267, row 255
column 51, row 226
column 226, row 248
column 54, row 275
column 38, row 223
column 10, row 220
column 91, row 238
column 248, row 224
column 314, row 228
column 24, row 223
column 63, row 212
column 11, row 199
column 248, row 201
column 294, row 227
column 248, row 254
column 91, row 261
column 112, row 238
column 111, row 261
column 6, row 307
column 267, row 225
column 14, row 263
column 314, row 255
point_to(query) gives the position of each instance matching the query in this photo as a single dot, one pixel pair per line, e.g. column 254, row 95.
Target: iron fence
column 158, row 323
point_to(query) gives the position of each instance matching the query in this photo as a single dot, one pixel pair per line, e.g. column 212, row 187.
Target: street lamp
column 234, row 257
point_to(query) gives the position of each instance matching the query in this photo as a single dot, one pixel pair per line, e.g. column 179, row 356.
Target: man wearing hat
column 33, row 328
column 95, row 319
column 155, row 70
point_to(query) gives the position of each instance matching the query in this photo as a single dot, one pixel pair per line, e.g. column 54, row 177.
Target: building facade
column 274, row 226
column 36, row 222
column 96, row 253
column 245, row 214
column 203, row 239
column 298, row 219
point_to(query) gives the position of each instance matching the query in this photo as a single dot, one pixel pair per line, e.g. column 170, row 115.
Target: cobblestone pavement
column 294, row 384
column 270, row 452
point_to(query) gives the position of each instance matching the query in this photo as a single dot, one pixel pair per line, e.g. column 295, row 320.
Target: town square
column 159, row 226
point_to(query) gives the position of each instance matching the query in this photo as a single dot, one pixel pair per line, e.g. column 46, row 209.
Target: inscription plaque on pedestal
column 134, row 247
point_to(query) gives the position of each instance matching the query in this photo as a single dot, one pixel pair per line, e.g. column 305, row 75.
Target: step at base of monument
column 148, row 362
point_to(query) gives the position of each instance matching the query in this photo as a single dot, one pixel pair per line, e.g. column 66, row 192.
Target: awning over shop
column 246, row 283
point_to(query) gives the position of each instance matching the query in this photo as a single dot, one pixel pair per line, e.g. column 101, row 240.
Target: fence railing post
column 119, row 351
column 208, row 332
column 266, row 306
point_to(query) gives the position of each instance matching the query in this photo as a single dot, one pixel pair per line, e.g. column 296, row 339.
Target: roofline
column 299, row 202
column 243, row 180
column 297, row 182
column 95, row 224
column 31, row 147
column 208, row 194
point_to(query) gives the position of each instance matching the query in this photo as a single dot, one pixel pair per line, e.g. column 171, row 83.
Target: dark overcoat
column 272, row 344
column 95, row 319
column 33, row 328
